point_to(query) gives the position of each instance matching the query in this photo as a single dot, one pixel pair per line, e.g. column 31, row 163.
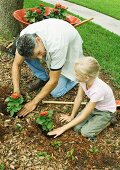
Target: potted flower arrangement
column 45, row 122
column 35, row 14
column 31, row 15
column 41, row 12
column 14, row 103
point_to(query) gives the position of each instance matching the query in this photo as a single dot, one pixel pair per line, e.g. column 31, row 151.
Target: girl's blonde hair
column 87, row 66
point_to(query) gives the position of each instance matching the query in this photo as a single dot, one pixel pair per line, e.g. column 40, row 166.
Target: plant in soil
column 38, row 14
column 14, row 103
column 56, row 144
column 94, row 149
column 2, row 166
column 44, row 154
column 18, row 127
column 45, row 121
column 70, row 154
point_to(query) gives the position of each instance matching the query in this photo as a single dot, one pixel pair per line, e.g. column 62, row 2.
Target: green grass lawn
column 108, row 7
column 99, row 43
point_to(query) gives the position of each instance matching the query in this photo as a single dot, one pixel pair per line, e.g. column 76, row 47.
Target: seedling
column 70, row 154
column 44, row 154
column 56, row 144
column 2, row 166
column 18, row 127
column 94, row 149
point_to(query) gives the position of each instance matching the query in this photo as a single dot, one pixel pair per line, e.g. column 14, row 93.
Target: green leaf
column 12, row 113
column 14, row 109
column 40, row 121
column 8, row 99
column 50, row 113
column 32, row 20
column 42, row 154
column 50, row 126
column 44, row 128
column 21, row 100
column 11, row 104
column 2, row 166
column 18, row 108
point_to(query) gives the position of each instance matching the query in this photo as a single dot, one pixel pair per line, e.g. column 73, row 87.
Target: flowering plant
column 41, row 12
column 14, row 103
column 34, row 15
column 45, row 120
column 58, row 12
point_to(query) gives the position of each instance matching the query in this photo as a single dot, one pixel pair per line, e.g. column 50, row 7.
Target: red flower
column 32, row 9
column 47, row 11
column 63, row 7
column 55, row 10
column 58, row 5
column 15, row 95
column 43, row 113
column 42, row 5
column 38, row 11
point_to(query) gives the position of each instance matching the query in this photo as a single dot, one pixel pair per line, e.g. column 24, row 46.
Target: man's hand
column 29, row 107
column 65, row 118
column 56, row 132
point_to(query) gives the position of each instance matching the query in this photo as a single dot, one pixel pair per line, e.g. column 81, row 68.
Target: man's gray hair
column 26, row 44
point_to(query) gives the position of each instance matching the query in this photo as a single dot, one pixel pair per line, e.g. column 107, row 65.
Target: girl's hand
column 65, row 118
column 56, row 132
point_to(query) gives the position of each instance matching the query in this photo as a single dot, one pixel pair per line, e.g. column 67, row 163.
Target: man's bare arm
column 50, row 85
column 16, row 72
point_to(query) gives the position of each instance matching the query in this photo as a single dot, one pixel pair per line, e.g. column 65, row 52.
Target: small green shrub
column 14, row 103
column 45, row 120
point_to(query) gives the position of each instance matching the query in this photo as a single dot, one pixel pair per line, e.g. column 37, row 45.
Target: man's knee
column 58, row 92
column 55, row 94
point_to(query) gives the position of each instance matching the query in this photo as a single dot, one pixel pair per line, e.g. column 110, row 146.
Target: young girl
column 100, row 109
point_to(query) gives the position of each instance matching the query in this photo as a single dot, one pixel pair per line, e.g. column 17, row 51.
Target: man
column 59, row 44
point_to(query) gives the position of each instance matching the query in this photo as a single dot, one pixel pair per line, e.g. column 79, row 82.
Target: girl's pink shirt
column 101, row 93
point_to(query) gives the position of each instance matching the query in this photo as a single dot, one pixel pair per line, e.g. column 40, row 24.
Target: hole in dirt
column 4, row 93
column 3, row 132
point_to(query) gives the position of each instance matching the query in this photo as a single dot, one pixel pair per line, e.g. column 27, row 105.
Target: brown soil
column 19, row 146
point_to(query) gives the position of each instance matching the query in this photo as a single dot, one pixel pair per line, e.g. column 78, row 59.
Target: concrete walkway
column 104, row 21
